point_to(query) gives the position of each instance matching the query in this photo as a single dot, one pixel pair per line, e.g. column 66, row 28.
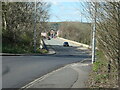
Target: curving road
column 20, row 70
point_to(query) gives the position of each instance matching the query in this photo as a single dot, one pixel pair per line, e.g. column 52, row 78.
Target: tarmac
column 70, row 76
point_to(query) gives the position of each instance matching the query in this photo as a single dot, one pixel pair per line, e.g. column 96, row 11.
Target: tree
column 76, row 31
column 18, row 22
column 108, row 27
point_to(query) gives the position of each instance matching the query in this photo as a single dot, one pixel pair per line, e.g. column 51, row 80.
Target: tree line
column 107, row 34
column 18, row 23
column 76, row 31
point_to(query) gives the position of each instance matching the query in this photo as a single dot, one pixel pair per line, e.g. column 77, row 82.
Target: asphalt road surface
column 20, row 70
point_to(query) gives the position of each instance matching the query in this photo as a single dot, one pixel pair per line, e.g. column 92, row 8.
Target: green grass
column 96, row 66
column 42, row 51
column 99, row 73
column 15, row 49
column 99, row 77
column 100, row 62
column 20, row 49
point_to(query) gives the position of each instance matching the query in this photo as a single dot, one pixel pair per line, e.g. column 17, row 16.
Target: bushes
column 76, row 31
column 100, row 77
column 18, row 48
column 107, row 35
column 18, row 25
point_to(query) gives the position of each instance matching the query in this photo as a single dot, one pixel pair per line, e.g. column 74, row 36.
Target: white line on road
column 45, row 76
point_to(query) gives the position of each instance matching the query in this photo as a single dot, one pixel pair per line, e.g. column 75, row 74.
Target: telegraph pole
column 35, row 28
column 94, row 35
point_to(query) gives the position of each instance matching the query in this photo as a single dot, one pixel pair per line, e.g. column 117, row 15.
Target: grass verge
column 100, row 77
column 21, row 49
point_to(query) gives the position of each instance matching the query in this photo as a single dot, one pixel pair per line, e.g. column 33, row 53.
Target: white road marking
column 41, row 78
column 45, row 76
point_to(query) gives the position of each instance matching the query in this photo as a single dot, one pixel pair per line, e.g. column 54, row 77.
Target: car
column 66, row 44
column 48, row 38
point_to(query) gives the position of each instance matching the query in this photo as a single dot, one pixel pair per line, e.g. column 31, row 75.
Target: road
column 20, row 70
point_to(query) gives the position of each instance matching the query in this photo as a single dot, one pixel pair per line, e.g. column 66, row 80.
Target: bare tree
column 108, row 27
column 18, row 21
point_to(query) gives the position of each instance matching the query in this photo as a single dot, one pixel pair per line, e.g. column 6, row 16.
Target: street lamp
column 35, row 28
column 94, row 35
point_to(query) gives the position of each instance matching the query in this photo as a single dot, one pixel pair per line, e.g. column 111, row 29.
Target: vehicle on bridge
column 66, row 44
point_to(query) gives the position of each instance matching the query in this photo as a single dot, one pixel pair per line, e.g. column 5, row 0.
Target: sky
column 64, row 10
column 67, row 11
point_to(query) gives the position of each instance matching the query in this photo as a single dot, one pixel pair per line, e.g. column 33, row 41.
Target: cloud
column 77, row 12
column 54, row 2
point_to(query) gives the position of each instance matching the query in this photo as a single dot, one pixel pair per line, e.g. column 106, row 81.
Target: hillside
column 76, row 31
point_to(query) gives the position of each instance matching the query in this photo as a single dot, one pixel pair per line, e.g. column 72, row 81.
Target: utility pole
column 94, row 35
column 35, row 28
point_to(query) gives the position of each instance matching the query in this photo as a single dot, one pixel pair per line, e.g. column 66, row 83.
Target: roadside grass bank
column 21, row 49
column 102, row 76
